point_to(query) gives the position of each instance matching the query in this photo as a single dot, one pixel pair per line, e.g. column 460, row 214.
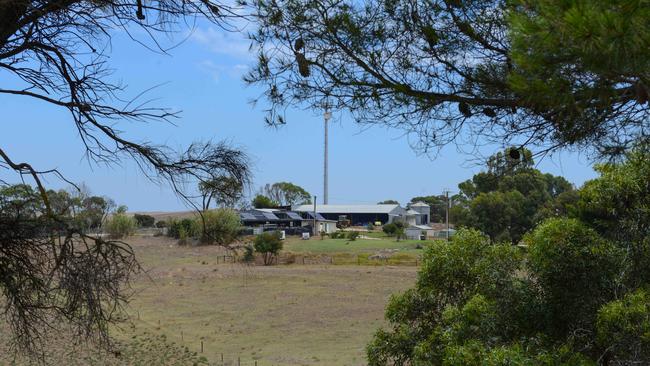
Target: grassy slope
column 281, row 315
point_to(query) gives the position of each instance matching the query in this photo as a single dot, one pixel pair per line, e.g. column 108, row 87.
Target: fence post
column 238, row 361
column 201, row 346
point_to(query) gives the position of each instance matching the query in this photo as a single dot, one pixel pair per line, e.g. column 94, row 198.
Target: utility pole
column 314, row 221
column 327, row 117
column 447, row 207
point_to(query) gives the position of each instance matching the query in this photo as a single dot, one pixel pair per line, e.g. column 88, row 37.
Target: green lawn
column 359, row 246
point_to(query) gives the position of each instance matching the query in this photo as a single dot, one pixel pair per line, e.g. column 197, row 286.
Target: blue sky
column 202, row 77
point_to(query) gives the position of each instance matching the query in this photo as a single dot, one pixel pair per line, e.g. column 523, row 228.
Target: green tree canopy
column 261, row 201
column 510, row 197
column 269, row 245
column 286, row 194
column 555, row 74
column 224, row 190
column 388, row 202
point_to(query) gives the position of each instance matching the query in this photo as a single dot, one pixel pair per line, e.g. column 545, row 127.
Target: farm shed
column 358, row 214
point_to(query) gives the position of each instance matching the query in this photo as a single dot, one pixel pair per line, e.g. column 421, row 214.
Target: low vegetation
column 269, row 245
column 120, row 226
column 220, row 226
column 144, row 220
column 576, row 295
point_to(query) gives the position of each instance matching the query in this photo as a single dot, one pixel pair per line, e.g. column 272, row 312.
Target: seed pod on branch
column 514, row 154
column 464, row 109
column 303, row 65
column 489, row 112
column 298, row 44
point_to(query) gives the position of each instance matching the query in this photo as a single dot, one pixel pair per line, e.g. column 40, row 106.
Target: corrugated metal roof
column 383, row 209
column 420, row 227
column 412, row 212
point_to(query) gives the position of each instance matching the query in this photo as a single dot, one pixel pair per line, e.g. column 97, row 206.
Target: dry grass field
column 277, row 315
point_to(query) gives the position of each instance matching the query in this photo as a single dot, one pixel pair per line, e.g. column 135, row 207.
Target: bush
column 575, row 268
column 144, row 220
column 337, row 235
column 400, row 224
column 400, row 233
column 389, row 229
column 249, row 254
column 370, row 227
column 269, row 245
column 175, row 226
column 456, row 299
column 624, row 327
column 219, row 226
column 120, row 226
column 182, row 236
column 161, row 224
column 353, row 235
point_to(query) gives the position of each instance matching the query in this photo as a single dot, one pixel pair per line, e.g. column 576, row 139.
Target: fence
column 333, row 259
column 342, row 259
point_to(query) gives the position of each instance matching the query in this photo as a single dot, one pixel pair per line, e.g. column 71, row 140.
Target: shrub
column 624, row 327
column 370, row 227
column 389, row 229
column 144, row 220
column 175, row 227
column 120, row 226
column 337, row 235
column 269, row 245
column 219, row 226
column 400, row 233
column 249, row 254
column 454, row 296
column 161, row 224
column 353, row 235
column 182, row 236
column 575, row 268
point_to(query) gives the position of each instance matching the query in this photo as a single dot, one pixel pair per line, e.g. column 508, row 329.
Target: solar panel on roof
column 317, row 217
column 269, row 216
column 247, row 216
column 293, row 216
